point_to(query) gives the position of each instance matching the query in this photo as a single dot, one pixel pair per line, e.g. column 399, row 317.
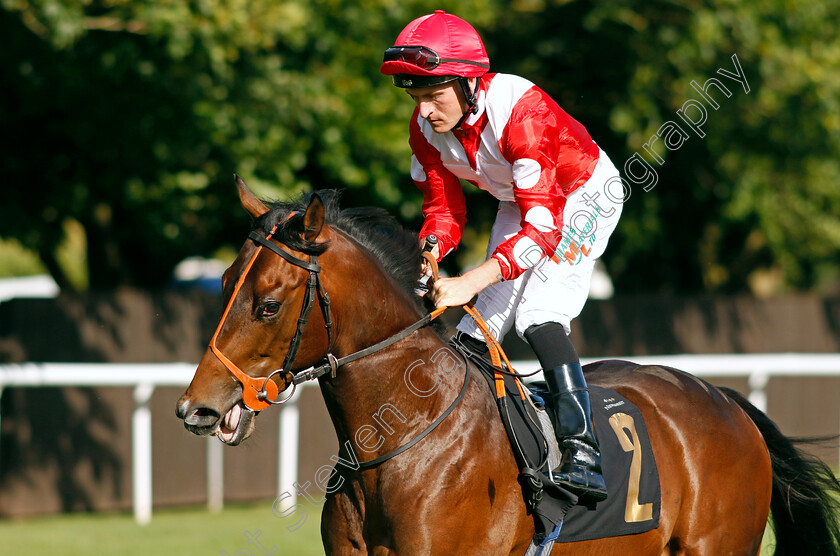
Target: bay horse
column 723, row 465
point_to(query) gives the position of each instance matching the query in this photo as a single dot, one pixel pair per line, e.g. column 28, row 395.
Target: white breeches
column 553, row 290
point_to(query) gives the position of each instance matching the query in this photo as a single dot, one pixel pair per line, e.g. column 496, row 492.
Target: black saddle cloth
column 627, row 460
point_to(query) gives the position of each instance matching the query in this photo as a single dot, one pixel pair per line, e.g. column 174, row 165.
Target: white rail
column 144, row 377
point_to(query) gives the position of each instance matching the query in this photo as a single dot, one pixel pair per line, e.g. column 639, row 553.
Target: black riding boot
column 580, row 471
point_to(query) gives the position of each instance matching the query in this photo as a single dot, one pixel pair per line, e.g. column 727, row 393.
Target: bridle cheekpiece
column 260, row 392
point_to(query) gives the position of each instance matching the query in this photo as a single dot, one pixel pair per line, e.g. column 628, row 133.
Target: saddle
column 629, row 468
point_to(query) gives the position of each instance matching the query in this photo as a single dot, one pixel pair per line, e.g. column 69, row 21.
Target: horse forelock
column 285, row 219
column 373, row 228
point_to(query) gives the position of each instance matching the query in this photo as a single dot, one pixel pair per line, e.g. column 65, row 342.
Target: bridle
column 260, row 392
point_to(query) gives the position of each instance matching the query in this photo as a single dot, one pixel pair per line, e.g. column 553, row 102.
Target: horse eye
column 270, row 309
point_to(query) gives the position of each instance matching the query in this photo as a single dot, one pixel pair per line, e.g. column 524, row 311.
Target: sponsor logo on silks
column 575, row 242
column 573, row 247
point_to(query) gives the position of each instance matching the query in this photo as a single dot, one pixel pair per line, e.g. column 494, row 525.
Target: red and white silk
column 520, row 147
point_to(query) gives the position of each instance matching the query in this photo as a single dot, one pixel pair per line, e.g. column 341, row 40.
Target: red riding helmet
column 435, row 49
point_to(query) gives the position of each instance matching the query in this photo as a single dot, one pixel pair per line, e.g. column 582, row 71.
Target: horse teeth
column 232, row 417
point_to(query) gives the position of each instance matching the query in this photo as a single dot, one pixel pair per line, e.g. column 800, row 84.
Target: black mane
column 395, row 247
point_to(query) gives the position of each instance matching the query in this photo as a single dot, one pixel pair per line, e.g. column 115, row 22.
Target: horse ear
column 313, row 219
column 250, row 203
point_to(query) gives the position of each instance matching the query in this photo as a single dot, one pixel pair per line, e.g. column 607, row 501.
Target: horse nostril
column 181, row 408
column 201, row 417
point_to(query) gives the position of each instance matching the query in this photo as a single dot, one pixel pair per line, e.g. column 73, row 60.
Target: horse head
column 265, row 296
column 271, row 328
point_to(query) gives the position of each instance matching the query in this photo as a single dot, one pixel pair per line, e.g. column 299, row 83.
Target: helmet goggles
column 423, row 57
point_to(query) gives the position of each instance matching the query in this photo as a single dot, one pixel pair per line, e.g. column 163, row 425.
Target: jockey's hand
column 453, row 292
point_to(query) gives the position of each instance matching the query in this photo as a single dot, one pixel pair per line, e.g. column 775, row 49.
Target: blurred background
column 125, row 121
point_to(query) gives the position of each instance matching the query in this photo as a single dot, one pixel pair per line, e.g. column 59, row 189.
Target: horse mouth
column 236, row 425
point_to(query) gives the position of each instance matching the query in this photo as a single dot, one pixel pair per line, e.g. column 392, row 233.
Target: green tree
column 130, row 118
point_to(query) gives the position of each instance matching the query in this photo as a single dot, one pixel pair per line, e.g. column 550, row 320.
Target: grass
column 182, row 532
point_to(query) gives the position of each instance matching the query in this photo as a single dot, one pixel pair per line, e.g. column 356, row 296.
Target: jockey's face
column 441, row 105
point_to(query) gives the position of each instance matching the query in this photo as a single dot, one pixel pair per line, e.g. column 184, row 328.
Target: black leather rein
column 314, row 288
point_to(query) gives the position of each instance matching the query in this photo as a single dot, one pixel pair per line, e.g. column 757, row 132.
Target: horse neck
column 368, row 304
column 383, row 390
column 392, row 395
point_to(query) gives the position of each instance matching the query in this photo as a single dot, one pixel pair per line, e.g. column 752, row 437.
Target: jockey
column 504, row 135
